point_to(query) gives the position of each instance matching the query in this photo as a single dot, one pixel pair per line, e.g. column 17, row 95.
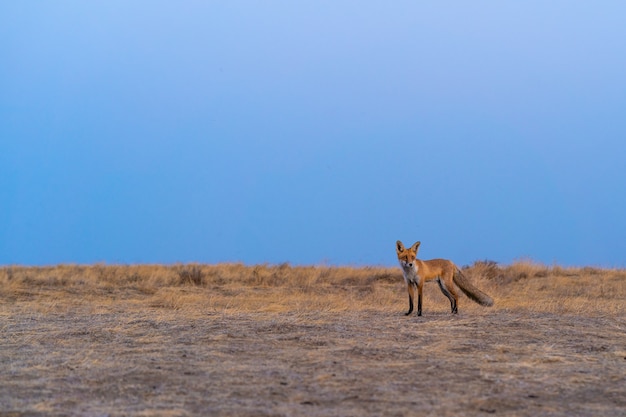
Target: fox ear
column 399, row 246
column 415, row 246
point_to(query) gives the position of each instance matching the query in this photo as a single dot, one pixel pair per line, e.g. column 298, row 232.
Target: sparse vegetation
column 231, row 339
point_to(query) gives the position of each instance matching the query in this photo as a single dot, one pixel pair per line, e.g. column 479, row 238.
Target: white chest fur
column 410, row 273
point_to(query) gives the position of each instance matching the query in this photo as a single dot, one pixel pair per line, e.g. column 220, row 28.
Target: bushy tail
column 470, row 290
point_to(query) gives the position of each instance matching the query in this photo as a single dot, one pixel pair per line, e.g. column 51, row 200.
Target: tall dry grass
column 278, row 288
column 556, row 289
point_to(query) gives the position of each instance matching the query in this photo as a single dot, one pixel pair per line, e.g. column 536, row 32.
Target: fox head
column 406, row 257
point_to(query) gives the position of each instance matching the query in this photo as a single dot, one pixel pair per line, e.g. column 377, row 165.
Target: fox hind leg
column 449, row 292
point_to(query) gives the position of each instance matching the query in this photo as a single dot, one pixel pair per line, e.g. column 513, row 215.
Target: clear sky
column 312, row 132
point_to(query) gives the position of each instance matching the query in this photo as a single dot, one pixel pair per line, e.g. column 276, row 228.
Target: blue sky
column 312, row 132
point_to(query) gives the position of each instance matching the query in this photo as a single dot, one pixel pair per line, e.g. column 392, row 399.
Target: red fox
column 443, row 271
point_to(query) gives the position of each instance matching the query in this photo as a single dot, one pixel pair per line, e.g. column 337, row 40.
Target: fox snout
column 406, row 264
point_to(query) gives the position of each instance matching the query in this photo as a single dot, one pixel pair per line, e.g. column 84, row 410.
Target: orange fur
column 446, row 273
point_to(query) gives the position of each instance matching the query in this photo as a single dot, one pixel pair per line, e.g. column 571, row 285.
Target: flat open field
column 230, row 340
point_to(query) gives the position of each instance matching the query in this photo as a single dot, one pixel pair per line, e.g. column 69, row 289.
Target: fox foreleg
column 411, row 291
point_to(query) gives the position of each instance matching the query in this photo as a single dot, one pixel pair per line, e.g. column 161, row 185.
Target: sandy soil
column 125, row 358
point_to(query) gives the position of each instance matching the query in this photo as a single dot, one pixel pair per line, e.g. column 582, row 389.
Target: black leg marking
column 410, row 306
column 419, row 304
column 445, row 292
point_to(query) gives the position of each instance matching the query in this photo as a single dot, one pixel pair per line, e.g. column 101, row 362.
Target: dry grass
column 231, row 339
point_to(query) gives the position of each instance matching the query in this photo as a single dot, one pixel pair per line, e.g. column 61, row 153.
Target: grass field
column 230, row 340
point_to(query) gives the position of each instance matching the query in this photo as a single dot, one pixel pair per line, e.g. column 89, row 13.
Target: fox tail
column 470, row 290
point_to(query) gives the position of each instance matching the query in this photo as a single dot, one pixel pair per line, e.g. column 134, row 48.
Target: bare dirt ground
column 78, row 347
